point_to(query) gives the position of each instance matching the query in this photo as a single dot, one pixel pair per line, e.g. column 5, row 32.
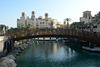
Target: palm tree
column 79, row 25
column 67, row 19
column 58, row 24
column 30, row 26
column 74, row 25
column 7, row 27
column 23, row 26
column 97, row 18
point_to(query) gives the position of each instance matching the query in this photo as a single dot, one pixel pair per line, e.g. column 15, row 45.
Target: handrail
column 50, row 32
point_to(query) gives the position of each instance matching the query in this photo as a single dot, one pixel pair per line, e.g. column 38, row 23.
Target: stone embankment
column 9, row 60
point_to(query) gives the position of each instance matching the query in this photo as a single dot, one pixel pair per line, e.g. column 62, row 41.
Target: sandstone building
column 39, row 22
column 87, row 17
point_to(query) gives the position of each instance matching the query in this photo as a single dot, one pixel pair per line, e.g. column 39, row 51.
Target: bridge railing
column 67, row 32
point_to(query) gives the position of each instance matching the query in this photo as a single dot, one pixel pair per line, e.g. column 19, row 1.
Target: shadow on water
column 77, row 47
column 84, row 58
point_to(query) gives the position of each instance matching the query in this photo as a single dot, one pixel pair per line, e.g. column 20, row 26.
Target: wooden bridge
column 65, row 33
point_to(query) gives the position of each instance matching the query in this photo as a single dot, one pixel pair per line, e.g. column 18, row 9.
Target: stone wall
column 8, row 60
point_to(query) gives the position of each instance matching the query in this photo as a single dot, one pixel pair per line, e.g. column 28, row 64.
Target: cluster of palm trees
column 79, row 25
column 3, row 27
column 97, row 18
column 58, row 25
column 26, row 26
column 22, row 27
column 82, row 25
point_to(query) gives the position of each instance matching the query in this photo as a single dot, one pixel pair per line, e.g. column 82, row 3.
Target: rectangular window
column 46, row 20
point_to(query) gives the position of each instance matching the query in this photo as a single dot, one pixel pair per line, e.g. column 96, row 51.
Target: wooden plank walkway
column 65, row 33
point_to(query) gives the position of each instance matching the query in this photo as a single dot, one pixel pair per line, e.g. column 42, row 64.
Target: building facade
column 87, row 17
column 39, row 22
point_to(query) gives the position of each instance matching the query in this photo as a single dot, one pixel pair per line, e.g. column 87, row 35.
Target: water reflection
column 51, row 51
column 52, row 54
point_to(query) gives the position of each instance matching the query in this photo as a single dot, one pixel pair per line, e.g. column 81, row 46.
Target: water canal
column 52, row 54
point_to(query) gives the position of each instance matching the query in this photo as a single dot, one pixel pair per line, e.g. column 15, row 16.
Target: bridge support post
column 12, row 44
column 81, row 44
column 50, row 39
column 34, row 38
column 5, row 47
column 57, row 40
column 61, row 38
column 91, row 45
column 43, row 38
column 8, row 46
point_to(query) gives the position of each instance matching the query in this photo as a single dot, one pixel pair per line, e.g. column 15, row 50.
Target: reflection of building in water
column 44, row 48
column 55, row 48
column 52, row 50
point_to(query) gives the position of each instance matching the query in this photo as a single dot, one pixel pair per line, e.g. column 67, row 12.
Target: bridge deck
column 69, row 33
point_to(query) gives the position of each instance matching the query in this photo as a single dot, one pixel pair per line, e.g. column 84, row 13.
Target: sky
column 10, row 10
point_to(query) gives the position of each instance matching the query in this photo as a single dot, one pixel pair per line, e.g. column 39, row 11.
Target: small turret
column 18, row 22
column 17, row 19
column 33, row 15
column 23, row 14
column 33, row 12
column 46, row 16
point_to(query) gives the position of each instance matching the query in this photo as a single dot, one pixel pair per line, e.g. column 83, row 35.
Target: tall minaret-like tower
column 33, row 19
column 18, row 23
column 23, row 14
column 46, row 16
column 33, row 15
column 87, row 17
column 23, row 19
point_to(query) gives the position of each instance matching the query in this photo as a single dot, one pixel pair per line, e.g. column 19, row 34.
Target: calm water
column 52, row 54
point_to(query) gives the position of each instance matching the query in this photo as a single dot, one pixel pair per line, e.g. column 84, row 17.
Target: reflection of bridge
column 65, row 33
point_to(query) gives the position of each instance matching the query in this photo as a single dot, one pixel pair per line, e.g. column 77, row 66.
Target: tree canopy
column 67, row 19
column 79, row 25
column 3, row 27
column 97, row 18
